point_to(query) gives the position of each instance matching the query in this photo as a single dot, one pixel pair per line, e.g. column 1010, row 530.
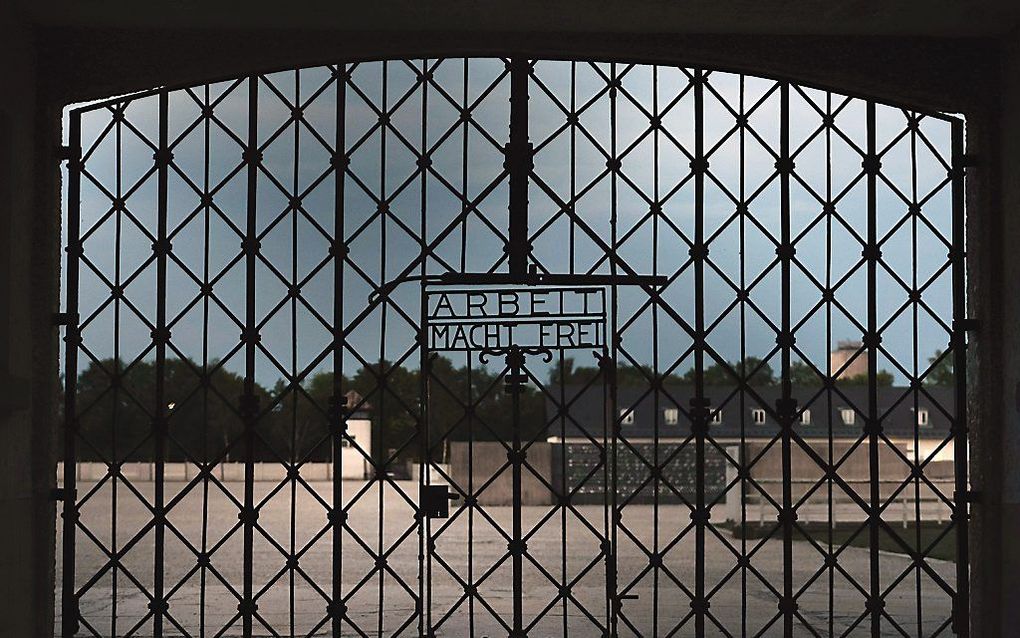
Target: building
column 852, row 352
column 357, row 446
column 655, row 431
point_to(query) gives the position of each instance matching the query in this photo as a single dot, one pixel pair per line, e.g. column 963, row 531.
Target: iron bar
column 514, row 367
column 699, row 405
column 337, row 414
column 161, row 336
column 870, row 165
column 613, row 514
column 786, row 410
column 248, row 408
column 518, row 162
column 68, row 597
column 961, row 427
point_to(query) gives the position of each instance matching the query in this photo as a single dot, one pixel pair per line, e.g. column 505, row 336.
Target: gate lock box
column 435, row 500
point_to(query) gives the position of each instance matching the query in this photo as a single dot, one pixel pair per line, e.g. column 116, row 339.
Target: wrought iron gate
column 242, row 255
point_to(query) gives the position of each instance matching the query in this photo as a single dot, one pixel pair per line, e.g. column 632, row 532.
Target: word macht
column 480, row 319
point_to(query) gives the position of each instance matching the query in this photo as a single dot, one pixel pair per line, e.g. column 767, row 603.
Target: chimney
column 845, row 350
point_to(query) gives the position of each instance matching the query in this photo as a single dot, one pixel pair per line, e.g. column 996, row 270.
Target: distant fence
column 229, row 471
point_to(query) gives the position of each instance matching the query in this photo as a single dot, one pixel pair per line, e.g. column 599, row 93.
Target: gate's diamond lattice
column 239, row 253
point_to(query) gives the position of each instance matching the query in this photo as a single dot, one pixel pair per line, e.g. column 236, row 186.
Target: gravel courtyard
column 292, row 601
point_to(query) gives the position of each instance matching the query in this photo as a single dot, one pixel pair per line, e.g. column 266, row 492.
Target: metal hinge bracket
column 969, row 325
column 61, row 493
column 968, row 496
column 65, row 318
column 966, row 160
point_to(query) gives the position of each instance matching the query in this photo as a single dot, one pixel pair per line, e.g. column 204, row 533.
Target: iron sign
column 487, row 319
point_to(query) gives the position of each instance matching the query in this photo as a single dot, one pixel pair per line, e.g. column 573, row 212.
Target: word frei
column 526, row 317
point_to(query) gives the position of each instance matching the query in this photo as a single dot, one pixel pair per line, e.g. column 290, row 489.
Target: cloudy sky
column 466, row 160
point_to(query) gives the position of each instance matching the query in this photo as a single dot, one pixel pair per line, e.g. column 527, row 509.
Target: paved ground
column 202, row 603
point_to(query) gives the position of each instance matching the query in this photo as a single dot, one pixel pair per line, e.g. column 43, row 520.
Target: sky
column 570, row 162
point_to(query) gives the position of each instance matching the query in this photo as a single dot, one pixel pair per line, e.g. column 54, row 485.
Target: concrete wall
column 29, row 225
column 996, row 550
column 489, row 456
column 90, row 472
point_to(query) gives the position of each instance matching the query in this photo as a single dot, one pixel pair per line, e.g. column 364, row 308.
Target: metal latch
column 434, row 500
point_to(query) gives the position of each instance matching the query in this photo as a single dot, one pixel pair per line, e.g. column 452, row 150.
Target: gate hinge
column 965, row 160
column 968, row 496
column 69, row 153
column 61, row 493
column 968, row 325
column 65, row 318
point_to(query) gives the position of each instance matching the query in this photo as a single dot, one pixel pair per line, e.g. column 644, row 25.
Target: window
column 922, row 417
column 672, row 416
column 805, row 417
column 758, row 416
column 627, row 416
column 717, row 416
column 848, row 415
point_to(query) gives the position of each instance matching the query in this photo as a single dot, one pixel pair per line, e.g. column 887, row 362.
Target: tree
column 941, row 372
column 803, row 374
column 116, row 409
column 392, row 393
column 754, row 369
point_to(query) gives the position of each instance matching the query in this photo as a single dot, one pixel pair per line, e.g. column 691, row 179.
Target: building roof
column 896, row 411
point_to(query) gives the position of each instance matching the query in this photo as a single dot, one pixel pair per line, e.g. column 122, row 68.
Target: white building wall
column 353, row 463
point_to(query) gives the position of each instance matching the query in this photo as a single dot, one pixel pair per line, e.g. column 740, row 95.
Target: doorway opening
column 513, row 347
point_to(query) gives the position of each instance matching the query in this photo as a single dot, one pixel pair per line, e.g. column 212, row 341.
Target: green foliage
column 801, row 374
column 116, row 419
column 941, row 373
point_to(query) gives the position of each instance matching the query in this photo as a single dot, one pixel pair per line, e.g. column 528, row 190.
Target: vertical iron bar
column 961, row 605
column 743, row 456
column 68, row 599
column 381, row 456
column 871, row 163
column 515, row 362
column 115, row 416
column 830, row 511
column 468, row 363
column 786, row 411
column 613, row 600
column 294, row 368
column 204, row 570
column 519, row 165
column 161, row 336
column 248, row 406
column 656, row 456
column 699, row 419
column 915, row 394
column 337, row 415
column 424, row 590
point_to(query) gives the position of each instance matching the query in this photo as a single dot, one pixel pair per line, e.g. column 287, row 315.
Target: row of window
column 847, row 415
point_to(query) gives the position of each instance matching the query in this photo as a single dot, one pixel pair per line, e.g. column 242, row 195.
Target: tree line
column 115, row 406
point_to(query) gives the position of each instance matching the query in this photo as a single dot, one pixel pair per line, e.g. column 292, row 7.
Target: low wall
column 231, row 471
column 488, row 456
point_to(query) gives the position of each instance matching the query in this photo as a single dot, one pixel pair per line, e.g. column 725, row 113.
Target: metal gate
column 330, row 366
